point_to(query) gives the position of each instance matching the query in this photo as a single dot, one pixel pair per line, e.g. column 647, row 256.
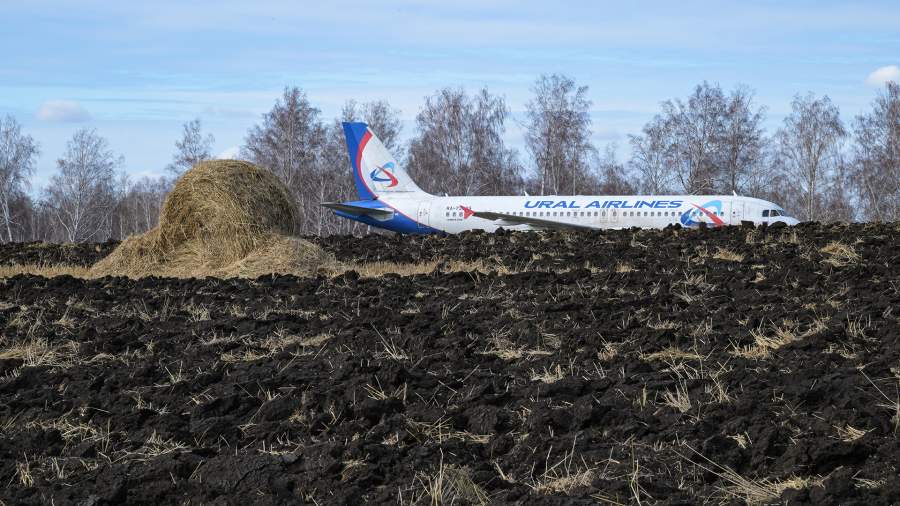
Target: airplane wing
column 526, row 220
column 374, row 212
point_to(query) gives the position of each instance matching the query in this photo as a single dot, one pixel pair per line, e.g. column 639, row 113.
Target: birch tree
column 876, row 156
column 18, row 155
column 81, row 196
column 458, row 147
column 191, row 149
column 558, row 134
column 808, row 153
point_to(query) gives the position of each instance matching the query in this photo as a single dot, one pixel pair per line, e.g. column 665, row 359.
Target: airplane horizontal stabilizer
column 355, row 210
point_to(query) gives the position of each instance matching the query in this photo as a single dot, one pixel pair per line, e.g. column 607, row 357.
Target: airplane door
column 737, row 212
column 423, row 216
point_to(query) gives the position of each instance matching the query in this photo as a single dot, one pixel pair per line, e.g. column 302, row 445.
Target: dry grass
column 764, row 344
column 661, row 324
column 762, row 491
column 449, row 484
column 848, row 433
column 679, row 399
column 280, row 256
column 24, row 474
column 892, row 404
column 622, row 267
column 564, row 476
column 156, row 446
column 551, row 375
column 379, row 269
column 75, row 431
column 442, row 430
column 727, row 254
column 839, row 254
column 276, row 342
column 45, row 270
column 41, row 352
column 671, row 353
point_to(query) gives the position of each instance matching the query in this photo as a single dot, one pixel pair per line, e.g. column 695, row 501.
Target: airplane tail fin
column 375, row 171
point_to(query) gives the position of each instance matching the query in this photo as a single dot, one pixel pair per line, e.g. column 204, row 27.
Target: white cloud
column 883, row 75
column 62, row 111
column 229, row 154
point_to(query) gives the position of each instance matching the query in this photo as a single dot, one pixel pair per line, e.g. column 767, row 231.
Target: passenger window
column 766, row 213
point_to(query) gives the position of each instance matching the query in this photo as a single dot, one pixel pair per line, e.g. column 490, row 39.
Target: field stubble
column 757, row 365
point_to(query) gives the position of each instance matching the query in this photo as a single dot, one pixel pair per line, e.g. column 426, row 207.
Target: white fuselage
column 453, row 214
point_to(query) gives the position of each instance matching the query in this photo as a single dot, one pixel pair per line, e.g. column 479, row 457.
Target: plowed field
column 737, row 365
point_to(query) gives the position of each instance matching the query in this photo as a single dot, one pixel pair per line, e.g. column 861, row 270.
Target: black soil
column 42, row 253
column 672, row 366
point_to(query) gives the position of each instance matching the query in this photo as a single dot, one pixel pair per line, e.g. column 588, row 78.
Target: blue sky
column 137, row 71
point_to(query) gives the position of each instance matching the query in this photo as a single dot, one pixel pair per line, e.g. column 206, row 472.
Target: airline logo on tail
column 383, row 175
column 711, row 209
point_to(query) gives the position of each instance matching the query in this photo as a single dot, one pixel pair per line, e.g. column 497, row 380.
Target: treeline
column 711, row 141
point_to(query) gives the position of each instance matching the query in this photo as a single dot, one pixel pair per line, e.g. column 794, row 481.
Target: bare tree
column 710, row 143
column 289, row 140
column 191, row 149
column 611, row 177
column 650, row 155
column 383, row 119
column 18, row 153
column 138, row 204
column 459, row 148
column 808, row 153
column 558, row 134
column 695, row 128
column 81, row 196
column 741, row 143
column 876, row 157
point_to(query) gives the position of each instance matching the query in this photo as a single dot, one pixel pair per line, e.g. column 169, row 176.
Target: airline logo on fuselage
column 604, row 204
column 711, row 210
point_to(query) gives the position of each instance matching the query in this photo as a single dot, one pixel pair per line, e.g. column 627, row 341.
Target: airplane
column 390, row 199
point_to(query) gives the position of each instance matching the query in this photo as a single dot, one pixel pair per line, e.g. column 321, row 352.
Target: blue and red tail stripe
column 357, row 136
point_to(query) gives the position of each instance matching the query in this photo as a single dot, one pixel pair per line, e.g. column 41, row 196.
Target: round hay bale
column 223, row 218
column 226, row 207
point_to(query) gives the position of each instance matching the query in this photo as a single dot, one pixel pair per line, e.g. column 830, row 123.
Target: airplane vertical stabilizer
column 375, row 171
